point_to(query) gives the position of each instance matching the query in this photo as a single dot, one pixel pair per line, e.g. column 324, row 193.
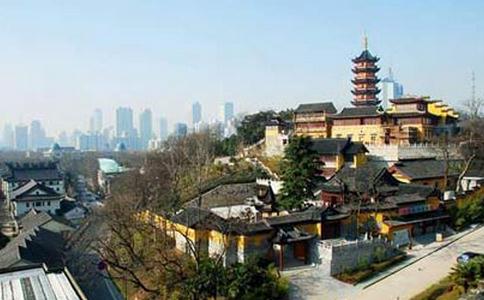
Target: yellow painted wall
column 359, row 159
column 314, row 228
column 355, row 130
column 340, row 161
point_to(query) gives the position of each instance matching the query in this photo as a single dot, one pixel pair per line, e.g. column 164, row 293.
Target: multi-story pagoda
column 365, row 69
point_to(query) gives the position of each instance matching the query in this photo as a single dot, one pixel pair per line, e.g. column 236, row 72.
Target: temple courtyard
column 428, row 263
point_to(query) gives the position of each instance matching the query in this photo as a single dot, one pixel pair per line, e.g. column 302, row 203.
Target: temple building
column 365, row 90
column 408, row 120
column 314, row 119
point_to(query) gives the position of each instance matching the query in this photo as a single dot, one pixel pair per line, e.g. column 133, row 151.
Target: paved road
column 417, row 277
column 401, row 285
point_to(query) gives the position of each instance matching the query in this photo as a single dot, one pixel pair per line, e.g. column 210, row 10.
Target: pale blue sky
column 61, row 59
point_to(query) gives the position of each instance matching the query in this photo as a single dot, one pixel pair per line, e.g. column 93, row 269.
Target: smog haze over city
column 63, row 59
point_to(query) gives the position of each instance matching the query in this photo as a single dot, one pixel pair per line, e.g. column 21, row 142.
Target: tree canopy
column 301, row 169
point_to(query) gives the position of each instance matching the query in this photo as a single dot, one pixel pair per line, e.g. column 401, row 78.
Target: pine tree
column 301, row 168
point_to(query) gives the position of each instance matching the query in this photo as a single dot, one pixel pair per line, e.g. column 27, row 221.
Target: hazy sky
column 59, row 60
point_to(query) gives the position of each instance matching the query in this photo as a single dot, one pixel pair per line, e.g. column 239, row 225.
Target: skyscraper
column 124, row 122
column 8, row 136
column 96, row 121
column 391, row 89
column 145, row 127
column 227, row 112
column 163, row 129
column 37, row 135
column 196, row 113
column 21, row 137
column 181, row 129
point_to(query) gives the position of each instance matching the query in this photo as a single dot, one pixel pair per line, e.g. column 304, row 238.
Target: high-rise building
column 21, row 137
column 163, row 129
column 8, row 137
column 365, row 90
column 91, row 142
column 37, row 135
column 227, row 112
column 63, row 139
column 124, row 122
column 96, row 121
column 391, row 89
column 181, row 129
column 145, row 127
column 196, row 113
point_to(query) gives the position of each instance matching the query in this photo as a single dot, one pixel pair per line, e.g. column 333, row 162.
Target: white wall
column 25, row 206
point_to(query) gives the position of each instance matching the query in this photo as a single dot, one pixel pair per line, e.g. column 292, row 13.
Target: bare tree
column 140, row 248
column 472, row 144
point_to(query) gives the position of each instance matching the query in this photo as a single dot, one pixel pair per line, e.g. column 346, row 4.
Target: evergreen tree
column 301, row 168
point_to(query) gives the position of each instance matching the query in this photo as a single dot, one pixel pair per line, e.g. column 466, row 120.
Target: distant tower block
column 365, row 90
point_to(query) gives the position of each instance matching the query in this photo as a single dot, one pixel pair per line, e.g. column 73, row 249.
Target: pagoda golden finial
column 365, row 41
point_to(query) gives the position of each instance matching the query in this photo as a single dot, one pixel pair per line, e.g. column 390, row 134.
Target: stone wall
column 342, row 255
column 392, row 153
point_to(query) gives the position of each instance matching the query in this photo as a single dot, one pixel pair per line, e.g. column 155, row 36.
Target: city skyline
column 65, row 62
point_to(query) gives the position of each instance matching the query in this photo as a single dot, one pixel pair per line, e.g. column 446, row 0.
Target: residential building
column 145, row 128
column 163, row 134
column 181, row 129
column 21, row 138
column 196, row 113
column 96, row 121
column 37, row 186
column 313, row 119
column 124, row 122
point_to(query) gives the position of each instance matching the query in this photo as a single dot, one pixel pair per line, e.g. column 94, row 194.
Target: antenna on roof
column 365, row 41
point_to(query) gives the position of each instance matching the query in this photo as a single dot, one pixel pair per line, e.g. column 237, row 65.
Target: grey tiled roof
column 225, row 195
column 25, row 189
column 34, row 219
column 330, row 146
column 423, row 168
column 476, row 169
column 309, row 215
column 362, row 179
column 333, row 146
column 327, row 107
column 366, row 55
column 34, row 246
column 195, row 217
column 363, row 111
column 37, row 171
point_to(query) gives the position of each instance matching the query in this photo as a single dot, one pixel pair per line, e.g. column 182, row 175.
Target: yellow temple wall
column 355, row 131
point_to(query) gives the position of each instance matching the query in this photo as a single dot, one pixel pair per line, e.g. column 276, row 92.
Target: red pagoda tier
column 365, row 80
